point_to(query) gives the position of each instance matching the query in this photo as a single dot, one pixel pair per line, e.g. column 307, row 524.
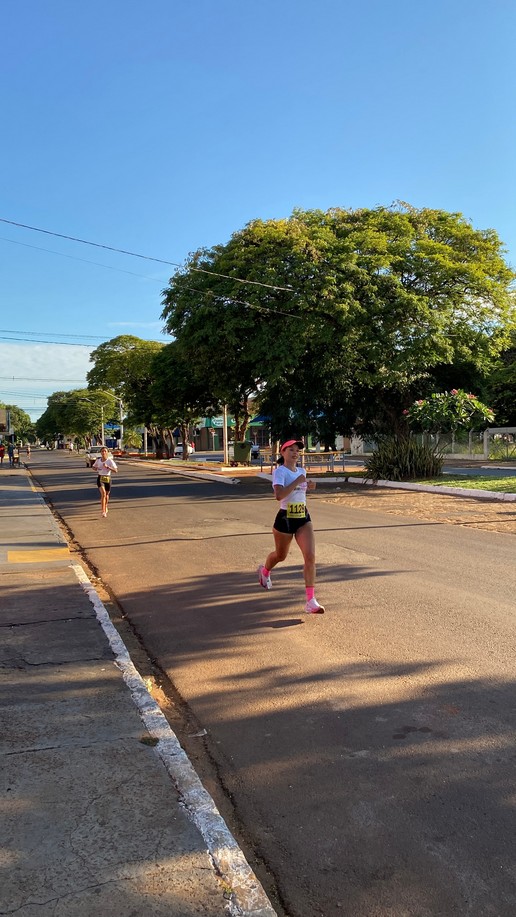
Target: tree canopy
column 345, row 316
column 77, row 414
column 501, row 386
column 124, row 365
column 178, row 398
column 20, row 421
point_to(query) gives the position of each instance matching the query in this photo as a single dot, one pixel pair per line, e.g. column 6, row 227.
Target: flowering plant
column 445, row 412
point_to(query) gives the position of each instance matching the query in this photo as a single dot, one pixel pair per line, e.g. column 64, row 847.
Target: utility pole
column 121, row 408
column 225, row 434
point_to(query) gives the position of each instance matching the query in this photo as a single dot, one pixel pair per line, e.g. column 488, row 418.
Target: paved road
column 368, row 753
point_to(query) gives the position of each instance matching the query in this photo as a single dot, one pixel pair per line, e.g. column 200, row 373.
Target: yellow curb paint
column 37, row 555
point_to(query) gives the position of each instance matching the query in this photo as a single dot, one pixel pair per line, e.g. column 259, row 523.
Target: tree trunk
column 184, row 437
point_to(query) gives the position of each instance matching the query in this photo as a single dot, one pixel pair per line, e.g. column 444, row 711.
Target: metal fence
column 313, row 461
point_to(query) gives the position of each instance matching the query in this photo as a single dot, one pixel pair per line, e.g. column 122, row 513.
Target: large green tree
column 178, row 399
column 345, row 316
column 23, row 427
column 77, row 414
column 501, row 387
column 124, row 365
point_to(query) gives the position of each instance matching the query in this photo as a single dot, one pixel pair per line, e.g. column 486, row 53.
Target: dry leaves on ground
column 490, row 515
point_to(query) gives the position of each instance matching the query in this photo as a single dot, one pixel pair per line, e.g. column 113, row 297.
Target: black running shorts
column 289, row 526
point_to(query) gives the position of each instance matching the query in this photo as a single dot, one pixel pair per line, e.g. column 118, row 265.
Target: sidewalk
column 102, row 813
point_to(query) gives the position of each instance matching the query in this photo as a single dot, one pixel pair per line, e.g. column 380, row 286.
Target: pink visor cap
column 293, row 442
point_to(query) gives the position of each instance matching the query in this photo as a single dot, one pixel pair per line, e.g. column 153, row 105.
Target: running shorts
column 289, row 526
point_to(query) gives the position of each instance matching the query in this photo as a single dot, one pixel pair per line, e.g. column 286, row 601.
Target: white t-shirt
column 283, row 476
column 104, row 468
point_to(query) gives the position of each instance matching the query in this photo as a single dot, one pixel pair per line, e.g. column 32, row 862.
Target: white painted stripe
column 248, row 898
column 188, row 472
column 423, row 488
column 437, row 489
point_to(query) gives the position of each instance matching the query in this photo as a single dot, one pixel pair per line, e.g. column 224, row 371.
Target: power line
column 36, row 341
column 122, row 251
column 55, row 333
column 224, row 298
column 30, row 410
column 242, row 302
column 51, row 251
column 28, row 338
column 10, row 392
column 35, row 379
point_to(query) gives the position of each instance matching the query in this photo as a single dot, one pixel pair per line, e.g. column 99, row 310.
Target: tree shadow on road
column 387, row 786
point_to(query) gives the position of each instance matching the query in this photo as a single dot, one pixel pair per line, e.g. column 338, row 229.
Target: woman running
column 292, row 521
column 104, row 466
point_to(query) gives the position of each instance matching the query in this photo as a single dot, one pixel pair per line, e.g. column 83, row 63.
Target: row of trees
column 326, row 322
column 21, row 422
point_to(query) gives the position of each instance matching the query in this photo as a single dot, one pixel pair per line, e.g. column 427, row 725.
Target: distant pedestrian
column 2, row 453
column 292, row 521
column 104, row 466
column 10, row 453
column 28, row 450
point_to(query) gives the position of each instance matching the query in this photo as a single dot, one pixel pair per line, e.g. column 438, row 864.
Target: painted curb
column 424, row 488
column 436, row 489
column 248, row 898
column 188, row 473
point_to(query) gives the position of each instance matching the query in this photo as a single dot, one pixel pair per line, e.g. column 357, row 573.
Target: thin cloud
column 23, row 365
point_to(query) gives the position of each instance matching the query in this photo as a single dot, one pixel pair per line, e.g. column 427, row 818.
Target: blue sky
column 162, row 127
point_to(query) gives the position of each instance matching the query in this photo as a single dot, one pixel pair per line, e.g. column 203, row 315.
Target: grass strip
column 506, row 485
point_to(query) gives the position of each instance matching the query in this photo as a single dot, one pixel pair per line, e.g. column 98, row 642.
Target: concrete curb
column 187, row 472
column 248, row 898
column 424, row 488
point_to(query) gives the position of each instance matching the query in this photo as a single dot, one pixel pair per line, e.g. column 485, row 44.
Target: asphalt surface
column 102, row 812
column 368, row 753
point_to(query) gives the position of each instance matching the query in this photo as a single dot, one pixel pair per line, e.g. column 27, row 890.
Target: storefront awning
column 259, row 421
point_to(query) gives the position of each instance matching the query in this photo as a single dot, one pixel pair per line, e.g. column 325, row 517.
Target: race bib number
column 104, row 479
column 296, row 510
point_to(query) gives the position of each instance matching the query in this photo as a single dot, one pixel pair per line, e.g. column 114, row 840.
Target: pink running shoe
column 313, row 608
column 265, row 581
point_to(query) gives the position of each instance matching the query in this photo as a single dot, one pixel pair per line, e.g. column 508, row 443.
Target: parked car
column 179, row 449
column 92, row 455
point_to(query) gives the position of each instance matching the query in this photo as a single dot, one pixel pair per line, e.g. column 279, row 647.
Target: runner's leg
column 103, row 503
column 282, row 546
column 306, row 540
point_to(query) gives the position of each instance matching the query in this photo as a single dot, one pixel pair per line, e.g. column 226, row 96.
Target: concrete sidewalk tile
column 68, row 705
column 43, row 595
column 49, row 643
column 100, row 832
column 95, row 817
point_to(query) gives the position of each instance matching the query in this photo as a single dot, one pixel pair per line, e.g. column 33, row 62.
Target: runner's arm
column 281, row 491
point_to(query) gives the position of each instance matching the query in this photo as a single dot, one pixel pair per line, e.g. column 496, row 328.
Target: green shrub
column 402, row 460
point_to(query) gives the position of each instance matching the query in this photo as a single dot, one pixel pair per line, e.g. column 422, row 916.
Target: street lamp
column 98, row 404
column 101, row 406
column 120, row 408
column 78, row 398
